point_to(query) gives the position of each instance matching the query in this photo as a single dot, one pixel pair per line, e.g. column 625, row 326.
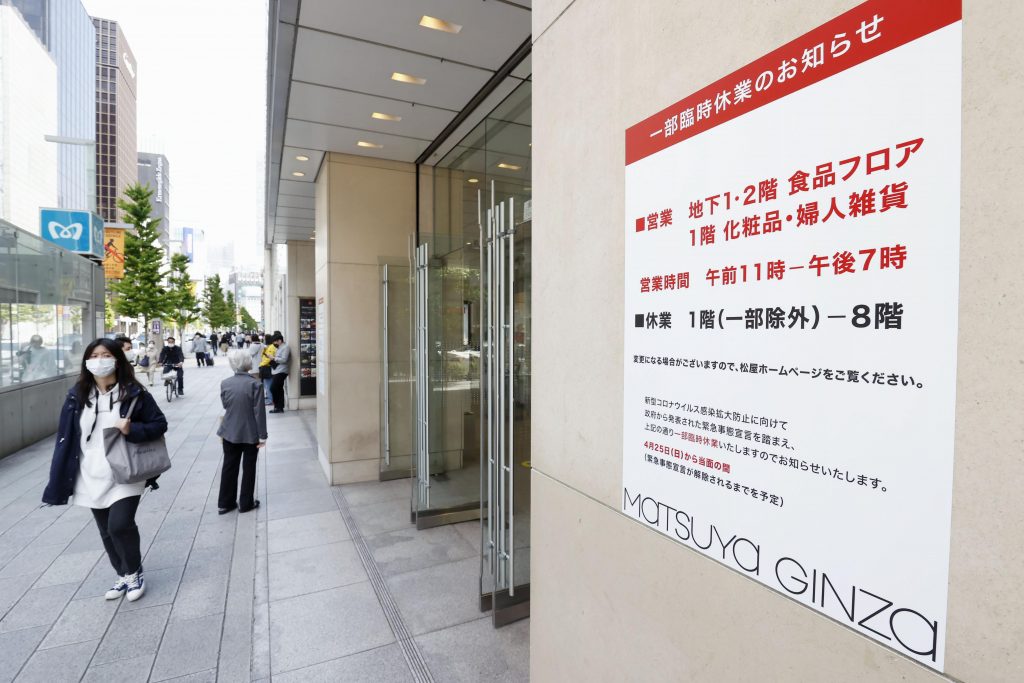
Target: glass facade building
column 116, row 141
column 67, row 32
column 155, row 171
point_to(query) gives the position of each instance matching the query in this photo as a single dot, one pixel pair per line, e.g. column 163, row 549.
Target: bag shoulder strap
column 131, row 406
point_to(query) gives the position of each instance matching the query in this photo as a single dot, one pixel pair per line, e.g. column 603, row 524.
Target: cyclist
column 171, row 356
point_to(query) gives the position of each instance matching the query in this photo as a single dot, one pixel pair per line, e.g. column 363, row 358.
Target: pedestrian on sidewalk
column 213, row 343
column 254, row 347
column 279, row 371
column 149, row 361
column 243, row 430
column 79, row 473
column 199, row 348
column 266, row 358
column 171, row 356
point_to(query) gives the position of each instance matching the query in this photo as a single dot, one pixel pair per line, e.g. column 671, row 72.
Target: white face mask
column 101, row 367
column 170, row 345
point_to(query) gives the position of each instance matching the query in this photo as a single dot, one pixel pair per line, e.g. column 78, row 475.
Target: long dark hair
column 123, row 371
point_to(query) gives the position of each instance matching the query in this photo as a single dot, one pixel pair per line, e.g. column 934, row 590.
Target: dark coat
column 171, row 355
column 147, row 423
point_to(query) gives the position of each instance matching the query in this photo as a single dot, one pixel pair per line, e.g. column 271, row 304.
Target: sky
column 202, row 83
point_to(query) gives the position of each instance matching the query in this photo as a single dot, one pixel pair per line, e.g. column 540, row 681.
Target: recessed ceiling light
column 509, row 167
column 439, row 24
column 385, row 117
column 370, row 145
column 406, row 78
column 298, row 174
column 301, row 157
column 473, row 180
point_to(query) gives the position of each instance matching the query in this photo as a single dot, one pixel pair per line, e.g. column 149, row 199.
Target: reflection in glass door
column 396, row 391
column 505, row 391
column 446, row 354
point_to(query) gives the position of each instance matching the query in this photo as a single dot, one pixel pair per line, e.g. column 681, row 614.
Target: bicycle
column 170, row 378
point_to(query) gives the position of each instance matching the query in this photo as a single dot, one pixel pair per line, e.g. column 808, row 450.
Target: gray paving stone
column 200, row 596
column 204, row 562
column 314, row 628
column 261, row 641
column 438, row 597
column 15, row 649
column 376, row 492
column 170, row 553
column 209, row 676
column 307, row 570
column 476, row 651
column 161, row 587
column 81, row 621
column 11, row 590
column 379, row 518
column 189, row 646
column 292, row 533
column 33, row 559
column 380, row 665
column 69, row 568
column 122, row 671
column 38, row 607
column 294, row 503
column 64, row 531
column 58, row 664
column 401, row 551
column 132, row 634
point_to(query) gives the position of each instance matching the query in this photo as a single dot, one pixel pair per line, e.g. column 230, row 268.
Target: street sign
column 77, row 231
column 157, row 327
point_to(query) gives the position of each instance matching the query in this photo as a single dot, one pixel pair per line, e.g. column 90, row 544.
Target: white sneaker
column 136, row 586
column 118, row 589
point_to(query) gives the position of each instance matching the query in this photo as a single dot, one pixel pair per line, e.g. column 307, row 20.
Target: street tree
column 215, row 308
column 249, row 323
column 232, row 309
column 181, row 299
column 140, row 293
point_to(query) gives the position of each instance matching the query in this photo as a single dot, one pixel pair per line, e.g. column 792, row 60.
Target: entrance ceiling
column 330, row 70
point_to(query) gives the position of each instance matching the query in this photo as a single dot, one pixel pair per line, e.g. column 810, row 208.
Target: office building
column 247, row 287
column 67, row 32
column 28, row 113
column 116, row 139
column 155, row 171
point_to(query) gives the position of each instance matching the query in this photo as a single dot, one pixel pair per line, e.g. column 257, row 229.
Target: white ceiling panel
column 490, row 102
column 294, row 187
column 354, row 65
column 321, row 104
column 290, row 165
column 337, row 139
column 525, row 68
column 293, row 202
column 491, row 31
column 288, row 212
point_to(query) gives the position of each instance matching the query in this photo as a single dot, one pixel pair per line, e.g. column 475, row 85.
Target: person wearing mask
column 171, row 356
column 243, row 431
column 128, row 347
column 79, row 473
column 279, row 371
column 148, row 361
column 255, row 350
column 37, row 361
column 199, row 348
column 225, row 343
column 214, row 340
column 241, row 341
column 265, row 371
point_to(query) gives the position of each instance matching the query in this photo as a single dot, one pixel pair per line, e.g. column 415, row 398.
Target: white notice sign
column 792, row 256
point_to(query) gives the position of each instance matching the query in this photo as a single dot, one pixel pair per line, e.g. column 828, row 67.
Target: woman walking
column 243, row 431
column 149, row 361
column 79, row 473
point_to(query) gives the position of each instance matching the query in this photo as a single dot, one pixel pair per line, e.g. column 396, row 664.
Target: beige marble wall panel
column 355, row 313
column 612, row 600
column 355, row 411
column 373, row 209
column 652, row 53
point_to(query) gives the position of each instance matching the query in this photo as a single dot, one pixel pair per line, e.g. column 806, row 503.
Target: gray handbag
column 131, row 462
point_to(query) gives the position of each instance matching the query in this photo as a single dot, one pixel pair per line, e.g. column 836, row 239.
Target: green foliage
column 232, row 308
column 249, row 323
column 108, row 313
column 215, row 308
column 181, row 299
column 140, row 294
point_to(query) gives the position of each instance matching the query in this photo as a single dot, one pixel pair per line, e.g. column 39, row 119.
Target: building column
column 365, row 213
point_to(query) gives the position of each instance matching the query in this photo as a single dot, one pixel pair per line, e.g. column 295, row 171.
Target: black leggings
column 277, row 389
column 120, row 535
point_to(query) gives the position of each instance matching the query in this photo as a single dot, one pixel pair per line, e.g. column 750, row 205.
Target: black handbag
column 265, row 372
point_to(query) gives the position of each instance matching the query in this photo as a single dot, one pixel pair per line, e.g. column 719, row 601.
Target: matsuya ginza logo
column 65, row 232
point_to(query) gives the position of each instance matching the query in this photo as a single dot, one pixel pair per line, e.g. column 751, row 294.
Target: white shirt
column 94, row 485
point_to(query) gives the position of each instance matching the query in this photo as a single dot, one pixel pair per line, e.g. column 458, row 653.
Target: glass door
column 505, row 392
column 396, row 392
column 446, row 359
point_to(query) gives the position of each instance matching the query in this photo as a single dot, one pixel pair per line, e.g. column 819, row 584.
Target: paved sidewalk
column 319, row 584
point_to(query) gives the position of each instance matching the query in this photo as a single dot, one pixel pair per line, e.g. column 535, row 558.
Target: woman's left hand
column 123, row 424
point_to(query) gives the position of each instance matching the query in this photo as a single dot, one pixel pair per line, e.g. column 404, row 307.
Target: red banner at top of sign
column 866, row 31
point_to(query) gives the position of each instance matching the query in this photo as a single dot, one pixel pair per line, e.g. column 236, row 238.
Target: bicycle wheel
column 170, row 391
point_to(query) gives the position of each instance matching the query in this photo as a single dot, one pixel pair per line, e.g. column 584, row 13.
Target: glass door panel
column 397, row 417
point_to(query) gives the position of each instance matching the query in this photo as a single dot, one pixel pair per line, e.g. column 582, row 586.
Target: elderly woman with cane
column 243, row 430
